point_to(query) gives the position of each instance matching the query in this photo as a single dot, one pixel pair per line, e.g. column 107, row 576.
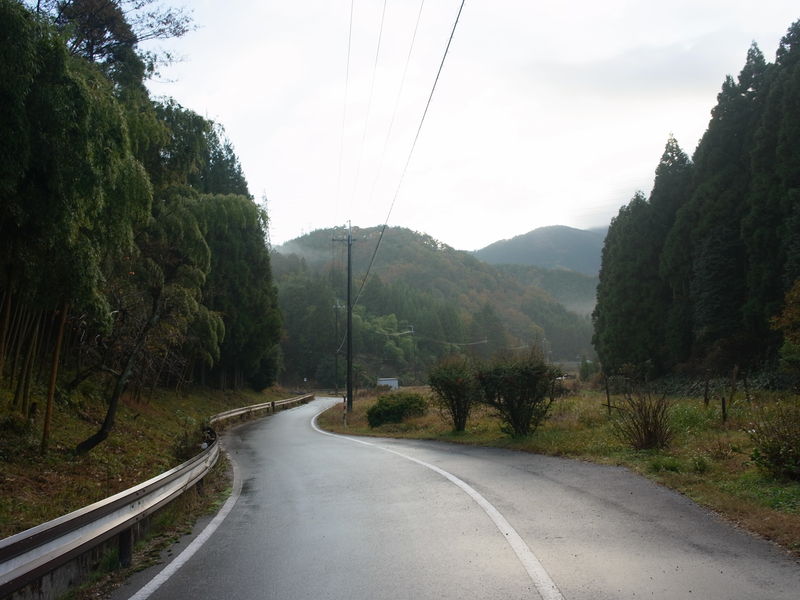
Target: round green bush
column 395, row 408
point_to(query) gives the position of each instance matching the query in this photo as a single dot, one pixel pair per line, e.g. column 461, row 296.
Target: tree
column 456, row 388
column 671, row 191
column 486, row 326
column 111, row 204
column 521, row 389
column 73, row 208
column 770, row 225
column 108, row 31
column 788, row 323
column 307, row 306
column 158, row 298
column 240, row 288
column 626, row 331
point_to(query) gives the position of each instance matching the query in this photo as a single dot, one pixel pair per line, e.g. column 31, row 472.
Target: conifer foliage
column 131, row 251
column 696, row 274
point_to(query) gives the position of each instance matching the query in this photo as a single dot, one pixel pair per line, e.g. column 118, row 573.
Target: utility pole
column 336, row 308
column 349, row 240
column 349, row 319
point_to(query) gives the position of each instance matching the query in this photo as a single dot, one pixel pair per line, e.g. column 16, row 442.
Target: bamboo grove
column 132, row 254
column 704, row 275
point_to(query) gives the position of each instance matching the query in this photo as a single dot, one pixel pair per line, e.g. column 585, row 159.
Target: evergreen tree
column 624, row 330
column 723, row 230
column 706, row 234
column 772, row 221
column 671, row 191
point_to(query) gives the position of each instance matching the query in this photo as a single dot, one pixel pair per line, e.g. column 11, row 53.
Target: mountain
column 422, row 300
column 554, row 247
column 575, row 291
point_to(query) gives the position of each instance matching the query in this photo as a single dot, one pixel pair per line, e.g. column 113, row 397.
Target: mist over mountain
column 423, row 300
column 553, row 247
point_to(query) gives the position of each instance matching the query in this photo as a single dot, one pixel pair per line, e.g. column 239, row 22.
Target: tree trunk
column 22, row 324
column 111, row 414
column 35, row 342
column 45, row 341
column 51, row 388
column 4, row 325
column 24, row 373
column 122, row 382
column 158, row 375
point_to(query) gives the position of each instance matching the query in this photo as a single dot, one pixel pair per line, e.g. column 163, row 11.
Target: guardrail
column 30, row 555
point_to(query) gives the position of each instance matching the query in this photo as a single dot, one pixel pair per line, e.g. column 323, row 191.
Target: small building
column 391, row 382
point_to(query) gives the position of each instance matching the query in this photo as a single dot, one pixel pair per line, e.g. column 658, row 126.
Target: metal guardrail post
column 125, row 541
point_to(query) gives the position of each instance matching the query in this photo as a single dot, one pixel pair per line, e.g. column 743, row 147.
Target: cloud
column 680, row 68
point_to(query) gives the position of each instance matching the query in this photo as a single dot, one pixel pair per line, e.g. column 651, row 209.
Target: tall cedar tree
column 728, row 225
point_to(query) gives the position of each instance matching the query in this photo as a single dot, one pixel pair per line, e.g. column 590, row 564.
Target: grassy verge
column 708, row 461
column 148, row 439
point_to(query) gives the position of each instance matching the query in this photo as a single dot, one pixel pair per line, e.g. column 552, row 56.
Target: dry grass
column 708, row 461
column 36, row 488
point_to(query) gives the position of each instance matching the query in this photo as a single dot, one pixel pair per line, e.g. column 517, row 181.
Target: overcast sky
column 545, row 113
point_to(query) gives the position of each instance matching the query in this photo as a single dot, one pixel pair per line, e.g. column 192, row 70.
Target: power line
column 430, row 339
column 369, row 102
column 344, row 107
column 410, row 153
column 397, row 101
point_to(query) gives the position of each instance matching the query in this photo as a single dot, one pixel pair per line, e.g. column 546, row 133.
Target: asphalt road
column 321, row 516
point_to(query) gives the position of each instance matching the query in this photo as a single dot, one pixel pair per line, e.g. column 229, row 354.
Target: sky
column 545, row 113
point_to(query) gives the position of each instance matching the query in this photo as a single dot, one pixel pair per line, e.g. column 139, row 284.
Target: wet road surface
column 321, row 516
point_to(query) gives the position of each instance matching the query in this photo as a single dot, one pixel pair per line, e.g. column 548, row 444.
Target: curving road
column 323, row 516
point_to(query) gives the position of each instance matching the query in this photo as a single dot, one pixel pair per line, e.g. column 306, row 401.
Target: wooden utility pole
column 349, row 319
column 349, row 334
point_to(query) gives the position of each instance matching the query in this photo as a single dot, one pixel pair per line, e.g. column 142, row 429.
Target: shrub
column 520, row 389
column 775, row 432
column 396, row 407
column 643, row 421
column 455, row 388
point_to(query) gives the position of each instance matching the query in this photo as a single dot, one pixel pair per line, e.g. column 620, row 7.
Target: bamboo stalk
column 51, row 388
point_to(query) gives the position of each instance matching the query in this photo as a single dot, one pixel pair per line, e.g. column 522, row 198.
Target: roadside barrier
column 30, row 556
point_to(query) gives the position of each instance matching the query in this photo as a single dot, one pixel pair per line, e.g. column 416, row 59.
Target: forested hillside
column 704, row 273
column 131, row 251
column 554, row 247
column 422, row 301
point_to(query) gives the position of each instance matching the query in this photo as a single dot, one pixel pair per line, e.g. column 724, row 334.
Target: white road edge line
column 201, row 539
column 541, row 579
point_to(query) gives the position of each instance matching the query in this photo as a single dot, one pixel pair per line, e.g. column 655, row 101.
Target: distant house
column 391, row 382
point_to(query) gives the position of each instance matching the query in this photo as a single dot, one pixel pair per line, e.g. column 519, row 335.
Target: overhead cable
column 410, row 153
column 344, row 107
column 396, row 102
column 369, row 102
